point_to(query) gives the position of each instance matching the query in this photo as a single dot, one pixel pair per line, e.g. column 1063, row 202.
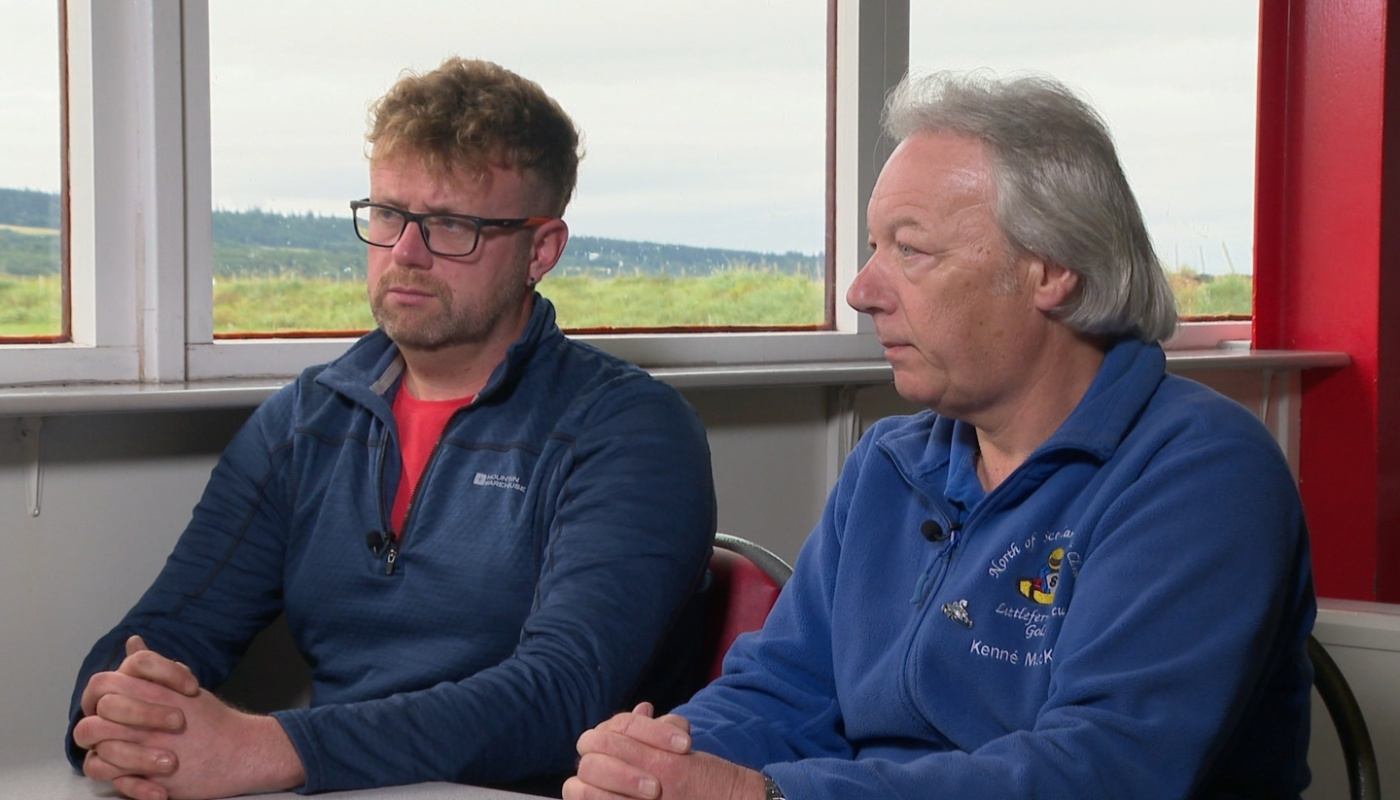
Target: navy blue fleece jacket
column 560, row 525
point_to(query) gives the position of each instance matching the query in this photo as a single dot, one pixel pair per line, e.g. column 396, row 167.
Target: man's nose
column 868, row 293
column 411, row 250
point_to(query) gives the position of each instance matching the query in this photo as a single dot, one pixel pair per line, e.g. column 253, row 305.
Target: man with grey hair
column 1073, row 576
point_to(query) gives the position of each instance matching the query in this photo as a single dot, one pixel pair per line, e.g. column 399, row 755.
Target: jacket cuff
column 303, row 739
column 74, row 753
column 791, row 778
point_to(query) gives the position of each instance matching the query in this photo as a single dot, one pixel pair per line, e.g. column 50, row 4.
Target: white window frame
column 866, row 66
column 102, row 130
column 141, row 221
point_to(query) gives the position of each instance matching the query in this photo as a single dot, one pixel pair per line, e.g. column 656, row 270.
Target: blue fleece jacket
column 1123, row 616
column 562, row 521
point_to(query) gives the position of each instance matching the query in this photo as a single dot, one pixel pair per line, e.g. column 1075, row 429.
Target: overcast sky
column 718, row 138
column 29, row 95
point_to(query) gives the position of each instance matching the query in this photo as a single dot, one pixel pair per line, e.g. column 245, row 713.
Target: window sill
column 127, row 397
column 1357, row 623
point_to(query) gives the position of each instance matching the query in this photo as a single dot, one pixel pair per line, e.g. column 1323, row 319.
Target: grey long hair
column 1060, row 191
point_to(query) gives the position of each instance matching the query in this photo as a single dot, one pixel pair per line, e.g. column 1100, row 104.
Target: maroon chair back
column 745, row 579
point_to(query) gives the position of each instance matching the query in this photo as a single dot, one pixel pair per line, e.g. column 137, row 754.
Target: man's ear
column 546, row 247
column 1054, row 286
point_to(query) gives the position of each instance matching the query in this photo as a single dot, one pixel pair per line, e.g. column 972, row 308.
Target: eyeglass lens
column 445, row 235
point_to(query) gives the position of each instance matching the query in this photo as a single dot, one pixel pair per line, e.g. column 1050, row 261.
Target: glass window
column 31, row 239
column 1176, row 83
column 701, row 196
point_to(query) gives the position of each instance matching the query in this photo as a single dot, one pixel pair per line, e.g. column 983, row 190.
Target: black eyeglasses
column 449, row 235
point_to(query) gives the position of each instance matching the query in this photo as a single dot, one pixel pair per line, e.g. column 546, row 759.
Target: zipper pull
column 391, row 556
column 386, row 545
column 919, row 589
column 924, row 585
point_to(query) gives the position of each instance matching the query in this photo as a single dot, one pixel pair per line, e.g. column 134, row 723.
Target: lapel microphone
column 376, row 541
column 932, row 531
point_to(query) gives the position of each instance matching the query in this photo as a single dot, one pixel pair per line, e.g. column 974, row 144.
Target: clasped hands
column 154, row 734
column 633, row 756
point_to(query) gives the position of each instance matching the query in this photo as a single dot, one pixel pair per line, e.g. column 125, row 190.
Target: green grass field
column 276, row 303
column 738, row 297
column 729, row 298
column 1212, row 296
column 29, row 305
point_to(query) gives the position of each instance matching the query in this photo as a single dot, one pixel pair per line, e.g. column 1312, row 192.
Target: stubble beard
column 431, row 330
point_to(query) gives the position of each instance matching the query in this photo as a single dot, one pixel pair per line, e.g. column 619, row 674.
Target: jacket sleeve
column 1176, row 616
column 222, row 583
column 629, row 538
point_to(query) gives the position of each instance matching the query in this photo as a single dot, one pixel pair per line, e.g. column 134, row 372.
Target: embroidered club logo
column 1041, row 588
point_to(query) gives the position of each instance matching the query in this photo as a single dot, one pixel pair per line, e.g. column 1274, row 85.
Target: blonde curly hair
column 472, row 114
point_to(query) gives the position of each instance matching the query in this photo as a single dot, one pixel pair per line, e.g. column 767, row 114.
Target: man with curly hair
column 478, row 530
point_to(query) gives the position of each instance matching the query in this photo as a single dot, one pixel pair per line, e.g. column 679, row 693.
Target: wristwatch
column 771, row 790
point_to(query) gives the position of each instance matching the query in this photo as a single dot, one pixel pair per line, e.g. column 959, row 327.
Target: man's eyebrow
column 430, row 209
column 446, row 210
column 904, row 221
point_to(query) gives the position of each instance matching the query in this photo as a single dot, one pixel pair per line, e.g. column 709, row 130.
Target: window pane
column 31, row 251
column 1176, row 84
column 701, row 195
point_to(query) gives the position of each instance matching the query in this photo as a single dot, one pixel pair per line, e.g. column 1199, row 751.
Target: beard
column 439, row 324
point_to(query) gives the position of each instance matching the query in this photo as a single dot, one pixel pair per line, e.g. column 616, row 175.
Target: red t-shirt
column 420, row 424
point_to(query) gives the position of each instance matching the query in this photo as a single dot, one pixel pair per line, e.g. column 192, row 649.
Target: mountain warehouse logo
column 499, row 481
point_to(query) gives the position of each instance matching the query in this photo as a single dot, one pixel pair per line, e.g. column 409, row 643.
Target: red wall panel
column 1326, row 189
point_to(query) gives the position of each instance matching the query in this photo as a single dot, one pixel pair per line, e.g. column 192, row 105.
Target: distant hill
column 27, row 254
column 263, row 242
column 594, row 255
column 28, row 208
column 269, row 229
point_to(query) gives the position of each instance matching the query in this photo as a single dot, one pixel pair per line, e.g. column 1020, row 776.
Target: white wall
column 1364, row 640
column 116, row 492
column 770, row 453
column 117, row 489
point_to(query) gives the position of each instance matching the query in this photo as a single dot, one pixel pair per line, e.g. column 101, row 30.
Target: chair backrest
column 745, row 579
column 1357, row 750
